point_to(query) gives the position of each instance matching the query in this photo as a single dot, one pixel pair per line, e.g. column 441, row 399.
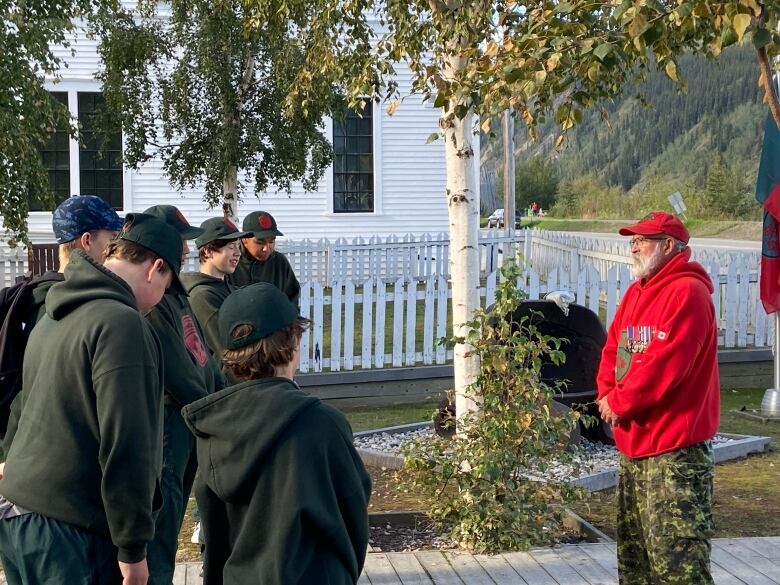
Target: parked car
column 496, row 219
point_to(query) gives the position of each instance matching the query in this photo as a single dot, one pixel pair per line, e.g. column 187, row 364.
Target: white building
column 405, row 188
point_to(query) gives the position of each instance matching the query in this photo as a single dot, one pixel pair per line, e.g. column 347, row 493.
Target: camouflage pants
column 665, row 518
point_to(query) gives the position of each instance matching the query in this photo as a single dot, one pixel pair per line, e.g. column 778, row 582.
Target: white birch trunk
column 229, row 201
column 463, row 208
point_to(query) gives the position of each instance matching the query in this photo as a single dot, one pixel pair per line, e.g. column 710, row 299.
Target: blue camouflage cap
column 83, row 213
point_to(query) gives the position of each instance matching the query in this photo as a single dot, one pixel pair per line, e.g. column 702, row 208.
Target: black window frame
column 353, row 162
column 55, row 157
column 100, row 152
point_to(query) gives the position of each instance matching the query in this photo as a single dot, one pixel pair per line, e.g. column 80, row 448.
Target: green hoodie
column 283, row 494
column 276, row 270
column 207, row 294
column 87, row 450
column 190, row 370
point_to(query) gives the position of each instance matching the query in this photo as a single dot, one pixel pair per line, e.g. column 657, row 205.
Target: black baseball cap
column 173, row 217
column 159, row 237
column 218, row 228
column 262, row 225
column 261, row 305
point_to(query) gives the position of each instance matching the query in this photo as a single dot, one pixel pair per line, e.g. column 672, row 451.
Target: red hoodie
column 659, row 367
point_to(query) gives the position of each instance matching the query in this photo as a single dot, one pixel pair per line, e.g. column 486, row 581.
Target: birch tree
column 203, row 85
column 28, row 114
column 549, row 58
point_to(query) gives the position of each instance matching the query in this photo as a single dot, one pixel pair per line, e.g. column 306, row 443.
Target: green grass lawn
column 746, row 490
column 364, row 419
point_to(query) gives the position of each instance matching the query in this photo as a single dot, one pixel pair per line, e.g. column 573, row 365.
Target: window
column 100, row 153
column 55, row 155
column 353, row 163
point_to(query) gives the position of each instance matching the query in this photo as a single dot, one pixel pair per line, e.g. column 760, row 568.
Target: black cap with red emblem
column 262, row 225
column 174, row 218
column 218, row 228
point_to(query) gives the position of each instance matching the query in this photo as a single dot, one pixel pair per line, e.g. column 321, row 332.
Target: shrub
column 479, row 483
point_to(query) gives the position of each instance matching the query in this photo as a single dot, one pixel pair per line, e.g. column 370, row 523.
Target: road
column 716, row 243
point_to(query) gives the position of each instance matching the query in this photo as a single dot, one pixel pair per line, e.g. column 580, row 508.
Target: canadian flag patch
column 662, row 335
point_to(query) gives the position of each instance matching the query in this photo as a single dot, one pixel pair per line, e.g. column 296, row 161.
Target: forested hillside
column 627, row 156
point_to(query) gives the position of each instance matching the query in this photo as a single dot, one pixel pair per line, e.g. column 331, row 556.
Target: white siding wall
column 410, row 175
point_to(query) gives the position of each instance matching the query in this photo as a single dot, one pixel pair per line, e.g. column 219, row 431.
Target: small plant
column 480, row 483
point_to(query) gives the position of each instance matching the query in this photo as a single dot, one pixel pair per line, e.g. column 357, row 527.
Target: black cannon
column 586, row 338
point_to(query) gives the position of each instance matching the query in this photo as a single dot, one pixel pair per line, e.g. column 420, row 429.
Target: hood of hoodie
column 238, row 427
column 192, row 279
column 679, row 266
column 85, row 280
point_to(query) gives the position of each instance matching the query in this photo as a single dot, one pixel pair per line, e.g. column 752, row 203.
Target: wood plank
column 723, row 577
column 319, row 302
column 179, row 574
column 468, row 569
column 379, row 342
column 368, row 318
column 408, row 569
column 335, row 326
column 428, row 321
column 755, row 560
column 442, row 301
column 349, row 325
column 603, row 554
column 398, row 322
column 193, row 574
column 305, row 351
column 589, row 569
column 380, row 571
column 557, row 566
column 363, row 579
column 528, row 568
column 739, row 569
column 500, row 570
column 438, row 568
column 411, row 322
column 763, row 547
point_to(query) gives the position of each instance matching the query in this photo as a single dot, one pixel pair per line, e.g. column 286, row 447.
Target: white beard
column 647, row 266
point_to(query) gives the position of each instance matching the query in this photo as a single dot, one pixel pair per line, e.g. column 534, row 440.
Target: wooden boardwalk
column 735, row 561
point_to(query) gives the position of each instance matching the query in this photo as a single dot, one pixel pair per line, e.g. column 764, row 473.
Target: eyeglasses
column 638, row 241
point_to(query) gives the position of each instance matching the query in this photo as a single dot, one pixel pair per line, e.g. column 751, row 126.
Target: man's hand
column 606, row 412
column 134, row 573
column 2, row 470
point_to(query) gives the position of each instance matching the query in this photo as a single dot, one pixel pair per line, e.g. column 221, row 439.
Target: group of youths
column 137, row 378
column 131, row 387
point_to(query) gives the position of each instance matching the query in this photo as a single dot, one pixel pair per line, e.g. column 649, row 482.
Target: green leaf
column 602, row 51
column 741, row 22
column 563, row 8
column 514, row 74
column 440, row 101
column 434, row 136
column 761, row 38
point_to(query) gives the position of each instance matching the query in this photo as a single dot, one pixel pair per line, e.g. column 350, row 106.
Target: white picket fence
column 383, row 302
column 374, row 324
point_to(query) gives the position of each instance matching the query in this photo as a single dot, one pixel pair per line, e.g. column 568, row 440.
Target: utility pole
column 509, row 173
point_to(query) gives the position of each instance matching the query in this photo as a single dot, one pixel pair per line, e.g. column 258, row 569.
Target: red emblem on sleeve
column 192, row 340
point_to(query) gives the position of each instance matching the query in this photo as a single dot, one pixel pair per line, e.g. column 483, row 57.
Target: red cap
column 658, row 222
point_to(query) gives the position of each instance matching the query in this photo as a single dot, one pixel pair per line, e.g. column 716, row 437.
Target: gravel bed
column 594, row 457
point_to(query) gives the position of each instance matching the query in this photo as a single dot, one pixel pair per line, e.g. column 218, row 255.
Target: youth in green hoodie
column 275, row 270
column 283, row 494
column 207, row 293
column 87, row 448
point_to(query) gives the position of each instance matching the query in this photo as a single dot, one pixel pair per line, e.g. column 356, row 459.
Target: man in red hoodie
column 659, row 389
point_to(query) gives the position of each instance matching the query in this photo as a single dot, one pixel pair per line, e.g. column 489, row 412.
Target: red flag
column 768, row 194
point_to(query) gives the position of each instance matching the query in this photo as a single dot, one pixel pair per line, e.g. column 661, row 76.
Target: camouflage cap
column 262, row 225
column 83, row 213
column 218, row 228
column 174, row 218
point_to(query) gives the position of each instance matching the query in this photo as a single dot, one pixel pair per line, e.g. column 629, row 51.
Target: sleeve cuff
column 131, row 554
